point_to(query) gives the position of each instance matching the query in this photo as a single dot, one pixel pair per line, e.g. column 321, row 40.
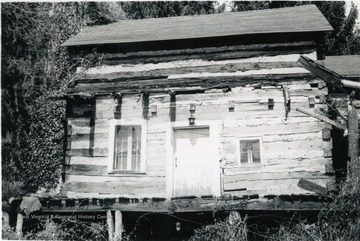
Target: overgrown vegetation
column 35, row 67
column 339, row 221
column 67, row 230
column 223, row 231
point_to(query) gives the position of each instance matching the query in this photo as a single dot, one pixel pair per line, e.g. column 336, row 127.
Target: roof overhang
column 200, row 28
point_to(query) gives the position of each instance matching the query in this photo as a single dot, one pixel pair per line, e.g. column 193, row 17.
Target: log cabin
column 199, row 106
column 200, row 113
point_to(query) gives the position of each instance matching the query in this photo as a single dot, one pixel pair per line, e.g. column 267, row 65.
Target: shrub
column 223, row 231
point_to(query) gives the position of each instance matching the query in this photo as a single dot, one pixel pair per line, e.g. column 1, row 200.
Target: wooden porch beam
column 320, row 117
column 331, row 78
column 195, row 204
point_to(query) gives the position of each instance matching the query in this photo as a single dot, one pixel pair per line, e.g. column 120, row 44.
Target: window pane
column 244, row 157
column 121, row 147
column 256, row 151
column 127, row 151
column 136, row 147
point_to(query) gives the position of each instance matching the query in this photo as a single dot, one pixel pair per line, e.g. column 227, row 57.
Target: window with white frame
column 250, row 151
column 128, row 147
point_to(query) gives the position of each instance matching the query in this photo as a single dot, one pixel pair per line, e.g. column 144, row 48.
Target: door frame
column 215, row 138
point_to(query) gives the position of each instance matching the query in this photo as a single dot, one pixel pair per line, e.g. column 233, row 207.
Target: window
column 127, row 152
column 250, row 152
column 127, row 148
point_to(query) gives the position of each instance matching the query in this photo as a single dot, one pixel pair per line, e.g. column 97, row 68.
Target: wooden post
column 118, row 225
column 353, row 151
column 110, row 224
column 19, row 224
column 145, row 105
column 287, row 100
column 172, row 111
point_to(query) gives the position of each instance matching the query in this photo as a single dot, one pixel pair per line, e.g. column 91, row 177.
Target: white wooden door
column 193, row 169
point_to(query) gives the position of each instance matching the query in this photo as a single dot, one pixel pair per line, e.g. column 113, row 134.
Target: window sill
column 125, row 172
column 251, row 164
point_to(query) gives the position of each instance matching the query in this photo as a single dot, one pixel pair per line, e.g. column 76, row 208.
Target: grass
column 11, row 189
column 67, row 230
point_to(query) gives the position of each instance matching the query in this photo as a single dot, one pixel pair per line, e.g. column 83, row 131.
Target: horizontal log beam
column 297, row 45
column 89, row 152
column 211, row 53
column 192, row 68
column 89, row 170
column 157, row 205
column 126, row 85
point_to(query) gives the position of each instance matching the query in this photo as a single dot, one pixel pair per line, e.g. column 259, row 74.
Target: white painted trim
column 238, row 150
column 215, row 137
column 127, row 122
column 169, row 161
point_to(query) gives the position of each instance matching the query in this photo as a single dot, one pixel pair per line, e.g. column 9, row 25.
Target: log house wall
column 294, row 146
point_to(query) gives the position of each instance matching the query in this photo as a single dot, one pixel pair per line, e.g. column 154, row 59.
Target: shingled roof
column 301, row 19
column 347, row 66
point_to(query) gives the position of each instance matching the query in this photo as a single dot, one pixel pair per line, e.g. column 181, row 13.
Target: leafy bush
column 223, row 231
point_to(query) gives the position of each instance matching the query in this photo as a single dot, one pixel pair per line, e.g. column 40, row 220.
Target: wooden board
column 138, row 188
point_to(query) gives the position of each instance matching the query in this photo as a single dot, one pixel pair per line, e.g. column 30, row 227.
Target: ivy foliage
column 34, row 67
column 45, row 143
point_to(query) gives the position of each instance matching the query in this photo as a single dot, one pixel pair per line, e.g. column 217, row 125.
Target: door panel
column 192, row 158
